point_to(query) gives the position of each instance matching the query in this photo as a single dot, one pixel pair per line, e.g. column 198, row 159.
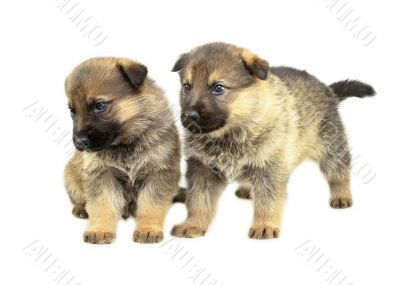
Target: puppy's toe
column 147, row 235
column 79, row 211
column 243, row 193
column 187, row 231
column 264, row 232
column 341, row 203
column 98, row 237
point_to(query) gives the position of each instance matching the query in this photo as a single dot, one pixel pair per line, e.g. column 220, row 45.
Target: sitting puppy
column 128, row 157
column 253, row 124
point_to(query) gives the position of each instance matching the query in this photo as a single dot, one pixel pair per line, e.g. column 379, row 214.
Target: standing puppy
column 127, row 163
column 254, row 124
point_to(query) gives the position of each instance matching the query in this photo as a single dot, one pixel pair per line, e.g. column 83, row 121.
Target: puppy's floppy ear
column 256, row 65
column 181, row 62
column 132, row 72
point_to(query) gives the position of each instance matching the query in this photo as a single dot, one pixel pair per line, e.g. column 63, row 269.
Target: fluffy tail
column 351, row 88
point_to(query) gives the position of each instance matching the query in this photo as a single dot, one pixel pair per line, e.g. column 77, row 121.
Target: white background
column 39, row 46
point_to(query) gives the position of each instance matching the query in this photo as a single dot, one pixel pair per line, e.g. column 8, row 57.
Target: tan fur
column 104, row 210
column 137, row 173
column 74, row 183
column 276, row 118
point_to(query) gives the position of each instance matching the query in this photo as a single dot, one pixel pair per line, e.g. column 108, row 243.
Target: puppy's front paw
column 97, row 237
column 341, row 203
column 264, row 232
column 79, row 211
column 187, row 231
column 147, row 235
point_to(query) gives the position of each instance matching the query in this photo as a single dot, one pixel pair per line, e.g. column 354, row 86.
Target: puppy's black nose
column 81, row 142
column 192, row 115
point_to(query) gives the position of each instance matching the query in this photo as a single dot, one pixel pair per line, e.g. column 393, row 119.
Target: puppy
column 128, row 153
column 254, row 124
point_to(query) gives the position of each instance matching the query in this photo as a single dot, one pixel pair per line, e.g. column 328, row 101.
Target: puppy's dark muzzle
column 81, row 142
column 92, row 141
column 190, row 120
column 191, row 116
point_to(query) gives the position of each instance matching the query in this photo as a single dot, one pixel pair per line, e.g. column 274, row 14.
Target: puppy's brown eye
column 186, row 88
column 100, row 106
column 218, row 89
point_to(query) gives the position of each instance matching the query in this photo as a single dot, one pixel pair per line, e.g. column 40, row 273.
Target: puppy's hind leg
column 181, row 196
column 338, row 177
column 335, row 165
column 74, row 186
column 243, row 192
column 79, row 211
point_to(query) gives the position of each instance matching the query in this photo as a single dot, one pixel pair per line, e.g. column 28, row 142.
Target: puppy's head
column 215, row 79
column 104, row 99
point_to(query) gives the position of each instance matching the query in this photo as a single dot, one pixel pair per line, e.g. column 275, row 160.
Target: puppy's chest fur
column 130, row 164
column 231, row 154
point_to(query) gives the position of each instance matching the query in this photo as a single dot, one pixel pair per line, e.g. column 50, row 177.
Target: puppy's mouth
column 204, row 127
column 95, row 149
column 95, row 144
column 92, row 148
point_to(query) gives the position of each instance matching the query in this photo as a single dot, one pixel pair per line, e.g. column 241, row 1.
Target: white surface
column 39, row 46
